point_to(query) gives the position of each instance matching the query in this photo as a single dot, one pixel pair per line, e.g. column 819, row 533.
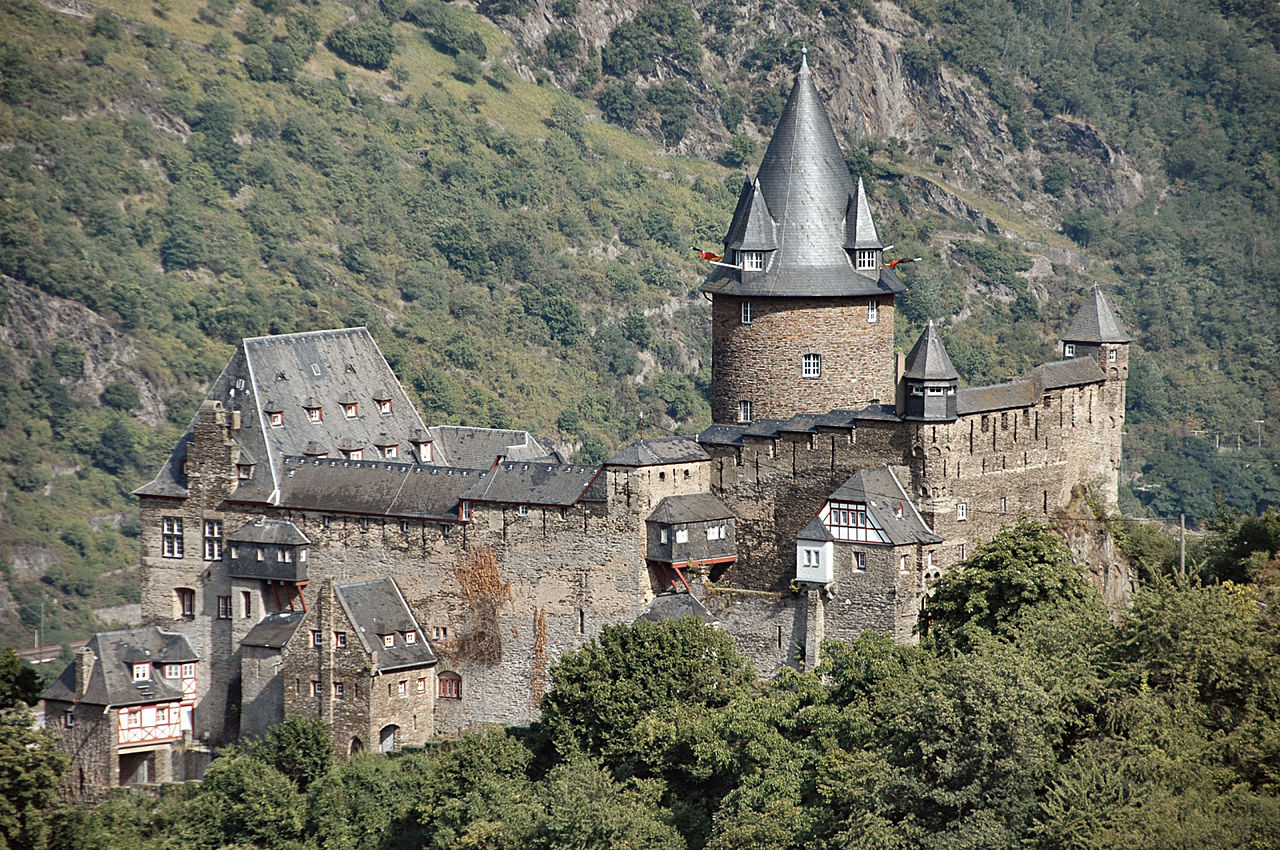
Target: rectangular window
column 865, row 259
column 340, row 640
column 189, row 671
column 244, row 471
column 1068, row 349
column 811, row 366
column 410, row 638
column 315, row 414
column 391, row 451
column 746, row 312
column 261, row 556
column 224, row 607
column 960, row 552
column 523, row 510
column 962, row 511
column 422, row 686
column 186, row 602
column 402, row 687
column 384, row 406
column 440, row 632
column 162, row 716
column 246, row 604
column 1004, row 504
column 682, row 535
column 276, row 419
column 873, row 311
column 711, row 533
column 213, row 540
column 142, row 672
column 902, row 563
column 315, row 688
column 351, row 411
column 860, row 561
column 744, row 411
column 316, row 640
column 1111, row 355
column 464, row 511
column 450, row 687
column 753, row 261
column 338, row 690
column 388, row 641
column 171, row 537
column 663, row 535
column 171, row 671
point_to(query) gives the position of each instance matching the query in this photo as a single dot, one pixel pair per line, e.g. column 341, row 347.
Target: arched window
column 357, row 747
column 450, row 686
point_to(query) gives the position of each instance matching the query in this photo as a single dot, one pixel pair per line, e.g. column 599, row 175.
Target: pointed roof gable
column 881, row 491
column 806, row 188
column 860, row 226
column 1096, row 321
column 376, row 608
column 928, row 360
column 752, row 228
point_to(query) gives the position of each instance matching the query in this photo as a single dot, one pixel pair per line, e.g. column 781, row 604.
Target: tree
column 31, row 768
column 19, row 682
column 1022, row 566
column 116, row 451
column 300, row 748
column 370, row 43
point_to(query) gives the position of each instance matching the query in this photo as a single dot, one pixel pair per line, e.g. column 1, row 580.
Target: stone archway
column 387, row 738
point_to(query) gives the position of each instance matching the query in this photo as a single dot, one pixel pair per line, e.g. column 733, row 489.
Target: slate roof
column 377, row 608
column 806, row 189
column 693, row 507
column 878, row 487
column 1095, row 321
column 375, row 488
column 722, row 435
column 815, row 530
column 478, row 448
column 1027, row 390
column 657, row 451
column 111, row 678
column 928, row 360
column 860, row 227
column 289, row 372
column 279, row 532
column 752, row 227
column 672, row 605
column 274, row 630
column 550, row 484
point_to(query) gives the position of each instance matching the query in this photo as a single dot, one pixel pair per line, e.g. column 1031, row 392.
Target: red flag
column 709, row 256
column 903, row 260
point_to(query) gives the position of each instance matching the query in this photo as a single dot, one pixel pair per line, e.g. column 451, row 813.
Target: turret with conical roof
column 1096, row 332
column 930, row 381
column 802, row 305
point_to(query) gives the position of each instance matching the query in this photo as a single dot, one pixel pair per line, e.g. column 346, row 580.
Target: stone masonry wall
column 760, row 362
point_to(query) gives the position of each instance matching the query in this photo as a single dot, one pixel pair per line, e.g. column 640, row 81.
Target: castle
column 312, row 548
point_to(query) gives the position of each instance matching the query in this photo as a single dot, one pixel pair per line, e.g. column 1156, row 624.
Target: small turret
column 930, row 381
column 1096, row 332
column 861, row 239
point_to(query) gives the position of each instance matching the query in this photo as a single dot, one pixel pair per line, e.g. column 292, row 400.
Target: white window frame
column 865, row 259
column 811, row 366
column 1112, row 355
column 351, row 411
column 189, row 670
column 746, row 312
column 745, row 411
column 752, row 261
column 682, row 535
column 224, row 607
column 171, row 537
column 390, row 451
column 962, row 511
column 422, row 685
column 172, row 671
column 873, row 311
column 316, row 639
column 410, row 638
column 384, row 406
column 142, row 672
column 523, row 510
column 389, row 641
column 315, row 414
column 315, row 688
column 340, row 640
column 860, row 562
column 276, row 418
column 213, row 540
column 1068, row 349
column 663, row 536
column 339, row 690
column 439, row 632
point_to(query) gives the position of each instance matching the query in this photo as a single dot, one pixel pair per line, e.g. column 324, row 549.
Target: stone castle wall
column 760, row 362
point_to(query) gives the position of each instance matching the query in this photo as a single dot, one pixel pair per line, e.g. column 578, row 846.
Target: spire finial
column 804, row 58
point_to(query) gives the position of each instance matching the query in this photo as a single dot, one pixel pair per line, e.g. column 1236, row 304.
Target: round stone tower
column 802, row 306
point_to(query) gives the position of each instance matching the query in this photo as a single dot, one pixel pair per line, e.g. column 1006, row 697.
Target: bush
column 370, row 44
column 121, row 395
column 95, row 52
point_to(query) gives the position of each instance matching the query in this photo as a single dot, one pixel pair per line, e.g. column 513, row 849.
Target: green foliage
column 19, row 682
column 619, row 104
column 31, row 768
column 300, row 749
column 1023, row 566
column 368, row 43
column 663, row 31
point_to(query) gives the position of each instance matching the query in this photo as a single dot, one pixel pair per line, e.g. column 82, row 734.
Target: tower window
column 746, row 312
column 753, row 261
column 185, row 598
column 213, row 540
column 866, row 259
column 1068, row 349
column 1111, row 355
column 873, row 311
column 811, row 366
column 962, row 511
column 171, row 537
column 744, row 411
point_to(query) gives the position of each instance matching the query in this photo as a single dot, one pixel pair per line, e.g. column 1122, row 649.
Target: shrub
column 369, row 44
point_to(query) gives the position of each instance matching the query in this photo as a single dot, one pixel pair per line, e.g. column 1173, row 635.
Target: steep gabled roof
column 928, row 360
column 808, row 195
column 881, row 491
column 658, row 451
column 378, row 608
column 274, row 630
column 111, row 681
column 752, row 228
column 860, row 227
column 1095, row 321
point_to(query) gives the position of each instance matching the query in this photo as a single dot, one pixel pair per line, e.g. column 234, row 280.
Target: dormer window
column 314, row 414
column 389, row 641
column 390, row 451
column 142, row 672
column 410, row 638
column 753, row 261
column 384, row 406
column 746, row 312
column 353, row 454
column 1068, row 349
column 351, row 410
column 866, row 259
column 244, row 471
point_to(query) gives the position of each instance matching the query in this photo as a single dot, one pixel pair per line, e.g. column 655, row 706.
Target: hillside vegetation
column 507, row 196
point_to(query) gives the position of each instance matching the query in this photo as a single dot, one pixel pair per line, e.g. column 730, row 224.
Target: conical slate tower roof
column 928, row 360
column 860, row 226
column 1096, row 321
column 806, row 190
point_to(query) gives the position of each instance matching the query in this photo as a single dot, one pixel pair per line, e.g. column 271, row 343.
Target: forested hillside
column 1028, row 717
column 507, row 195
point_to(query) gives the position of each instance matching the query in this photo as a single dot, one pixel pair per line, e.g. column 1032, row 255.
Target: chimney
column 235, row 419
column 84, row 668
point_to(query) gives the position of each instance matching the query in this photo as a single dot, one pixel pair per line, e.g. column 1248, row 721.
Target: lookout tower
column 802, row 307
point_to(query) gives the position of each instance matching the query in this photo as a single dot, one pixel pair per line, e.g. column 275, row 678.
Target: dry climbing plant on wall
column 484, row 592
column 538, row 677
